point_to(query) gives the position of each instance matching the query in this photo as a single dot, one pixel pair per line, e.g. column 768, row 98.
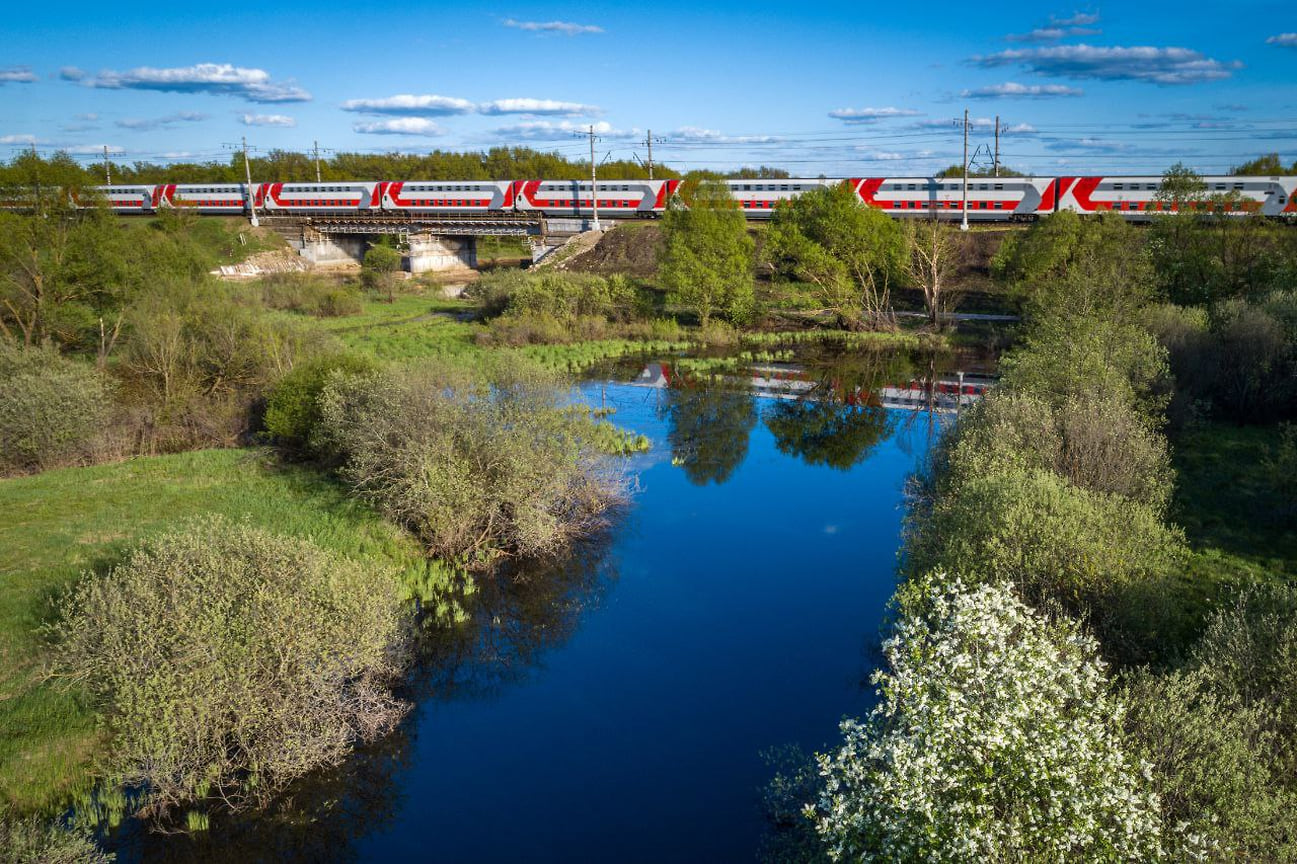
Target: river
column 617, row 708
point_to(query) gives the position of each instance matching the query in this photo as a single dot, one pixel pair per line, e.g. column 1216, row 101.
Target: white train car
column 128, row 199
column 229, row 199
column 340, row 197
column 427, row 196
column 617, row 198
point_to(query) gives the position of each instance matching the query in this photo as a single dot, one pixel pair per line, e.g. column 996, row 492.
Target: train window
column 1115, row 186
column 1001, row 185
column 1220, row 186
column 1238, row 185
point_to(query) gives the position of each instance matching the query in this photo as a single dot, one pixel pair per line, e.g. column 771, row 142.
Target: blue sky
column 834, row 88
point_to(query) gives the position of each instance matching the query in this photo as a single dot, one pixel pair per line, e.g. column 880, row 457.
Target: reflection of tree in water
column 841, row 420
column 708, row 428
column 517, row 615
column 821, row 432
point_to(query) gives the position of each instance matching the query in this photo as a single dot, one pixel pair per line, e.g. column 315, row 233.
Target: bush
column 994, row 740
column 30, row 840
column 51, row 407
column 1063, row 358
column 228, row 661
column 1213, row 765
column 562, row 296
column 1095, row 442
column 292, row 407
column 476, row 465
column 309, row 295
column 1055, row 542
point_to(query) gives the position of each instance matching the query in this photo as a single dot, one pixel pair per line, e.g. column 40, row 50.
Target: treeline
column 1055, row 687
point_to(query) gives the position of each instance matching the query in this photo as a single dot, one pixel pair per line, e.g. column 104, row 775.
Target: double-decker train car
column 624, row 198
column 422, row 196
column 342, row 197
column 229, row 199
column 988, row 199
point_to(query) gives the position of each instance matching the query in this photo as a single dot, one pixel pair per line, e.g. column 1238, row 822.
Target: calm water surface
column 617, row 711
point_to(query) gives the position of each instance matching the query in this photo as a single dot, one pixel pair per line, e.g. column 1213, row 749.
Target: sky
column 840, row 89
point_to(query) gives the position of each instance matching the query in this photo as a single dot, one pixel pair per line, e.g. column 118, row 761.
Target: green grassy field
column 1226, row 503
column 62, row 523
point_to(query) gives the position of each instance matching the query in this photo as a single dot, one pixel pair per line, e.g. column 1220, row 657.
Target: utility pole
column 996, row 161
column 594, row 188
column 252, row 198
column 648, row 142
column 963, row 225
column 108, row 167
column 317, row 158
column 36, row 176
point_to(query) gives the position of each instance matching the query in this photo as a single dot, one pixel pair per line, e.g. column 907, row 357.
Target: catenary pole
column 594, row 188
column 247, row 172
column 996, row 161
column 963, row 225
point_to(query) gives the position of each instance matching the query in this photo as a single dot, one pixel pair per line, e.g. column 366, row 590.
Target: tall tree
column 707, row 260
column 932, row 246
column 850, row 252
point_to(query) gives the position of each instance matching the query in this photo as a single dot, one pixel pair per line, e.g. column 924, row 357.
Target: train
column 998, row 199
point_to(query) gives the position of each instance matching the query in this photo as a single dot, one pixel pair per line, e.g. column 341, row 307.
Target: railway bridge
column 430, row 242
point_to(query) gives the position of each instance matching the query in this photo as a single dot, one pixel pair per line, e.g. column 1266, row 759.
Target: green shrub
column 309, row 295
column 1094, row 441
column 475, row 464
column 31, row 840
column 1062, row 358
column 51, row 407
column 1056, row 542
column 228, row 661
column 292, row 406
column 1213, row 765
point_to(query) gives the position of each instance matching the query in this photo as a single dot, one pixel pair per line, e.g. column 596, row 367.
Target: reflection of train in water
column 946, row 394
column 998, row 199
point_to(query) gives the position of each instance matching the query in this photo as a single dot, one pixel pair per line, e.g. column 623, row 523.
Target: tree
column 378, row 272
column 994, row 739
column 849, row 251
column 1182, row 188
column 707, row 257
column 1268, row 165
column 932, row 246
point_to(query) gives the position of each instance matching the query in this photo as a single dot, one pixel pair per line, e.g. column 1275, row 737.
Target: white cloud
column 694, row 134
column 1288, row 40
column 254, row 85
column 20, row 139
column 17, row 75
column 409, row 104
column 1080, row 19
column 550, row 107
column 267, row 120
column 567, row 28
column 93, row 149
column 1011, row 90
column 71, row 73
column 870, row 115
column 1165, row 66
column 400, row 126
column 1059, row 28
column 549, row 130
column 143, row 125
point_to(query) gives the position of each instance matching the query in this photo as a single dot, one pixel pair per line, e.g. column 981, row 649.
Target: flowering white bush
column 994, row 740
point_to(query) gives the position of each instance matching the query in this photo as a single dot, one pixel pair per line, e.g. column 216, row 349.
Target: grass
column 1226, row 502
column 62, row 523
column 1238, row 534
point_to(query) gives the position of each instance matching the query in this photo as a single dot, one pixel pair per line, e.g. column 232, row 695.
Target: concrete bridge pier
column 325, row 250
column 432, row 252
